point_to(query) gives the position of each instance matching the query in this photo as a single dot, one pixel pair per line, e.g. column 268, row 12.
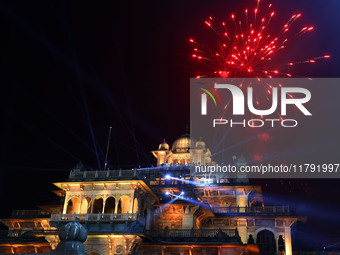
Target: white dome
column 182, row 144
column 163, row 146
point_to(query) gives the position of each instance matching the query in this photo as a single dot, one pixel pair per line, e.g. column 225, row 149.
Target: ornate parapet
column 117, row 223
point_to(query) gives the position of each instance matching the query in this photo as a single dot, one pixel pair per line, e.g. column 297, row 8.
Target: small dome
column 200, row 144
column 182, row 144
column 163, row 146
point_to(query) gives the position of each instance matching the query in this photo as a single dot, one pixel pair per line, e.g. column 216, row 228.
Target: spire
column 187, row 128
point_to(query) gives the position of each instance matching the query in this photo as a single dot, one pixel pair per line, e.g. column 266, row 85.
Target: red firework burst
column 245, row 47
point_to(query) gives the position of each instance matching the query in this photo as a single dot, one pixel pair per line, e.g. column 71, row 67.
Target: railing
column 171, row 233
column 187, row 233
column 76, row 174
column 151, row 175
column 22, row 214
column 175, row 235
column 20, row 233
column 195, row 235
column 139, row 173
column 99, row 217
column 252, row 210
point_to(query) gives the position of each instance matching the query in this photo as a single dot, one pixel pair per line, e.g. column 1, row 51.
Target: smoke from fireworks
column 246, row 48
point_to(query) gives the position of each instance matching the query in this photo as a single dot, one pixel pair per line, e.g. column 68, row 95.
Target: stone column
column 277, row 244
column 161, row 157
column 188, row 217
column 93, row 200
column 243, row 233
column 188, row 221
column 148, row 219
column 132, row 201
column 103, row 210
column 65, row 205
column 79, row 205
column 190, row 250
column 116, row 207
column 241, row 200
column 288, row 241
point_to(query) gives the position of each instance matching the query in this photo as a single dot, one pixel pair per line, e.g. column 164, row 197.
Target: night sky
column 70, row 70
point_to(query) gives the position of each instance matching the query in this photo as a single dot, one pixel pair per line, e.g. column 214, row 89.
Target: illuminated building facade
column 165, row 210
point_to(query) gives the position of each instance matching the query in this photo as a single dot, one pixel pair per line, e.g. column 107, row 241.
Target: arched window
column 175, row 161
column 124, row 205
column 135, row 206
column 266, row 242
column 69, row 208
column 182, row 161
column 98, row 205
column 72, row 206
column 110, row 205
column 85, row 206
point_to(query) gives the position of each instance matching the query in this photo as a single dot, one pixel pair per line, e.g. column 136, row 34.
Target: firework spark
column 246, row 48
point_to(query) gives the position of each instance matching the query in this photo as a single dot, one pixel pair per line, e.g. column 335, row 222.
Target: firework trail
column 246, row 48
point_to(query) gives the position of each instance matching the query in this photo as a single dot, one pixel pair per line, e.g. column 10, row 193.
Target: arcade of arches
column 99, row 205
